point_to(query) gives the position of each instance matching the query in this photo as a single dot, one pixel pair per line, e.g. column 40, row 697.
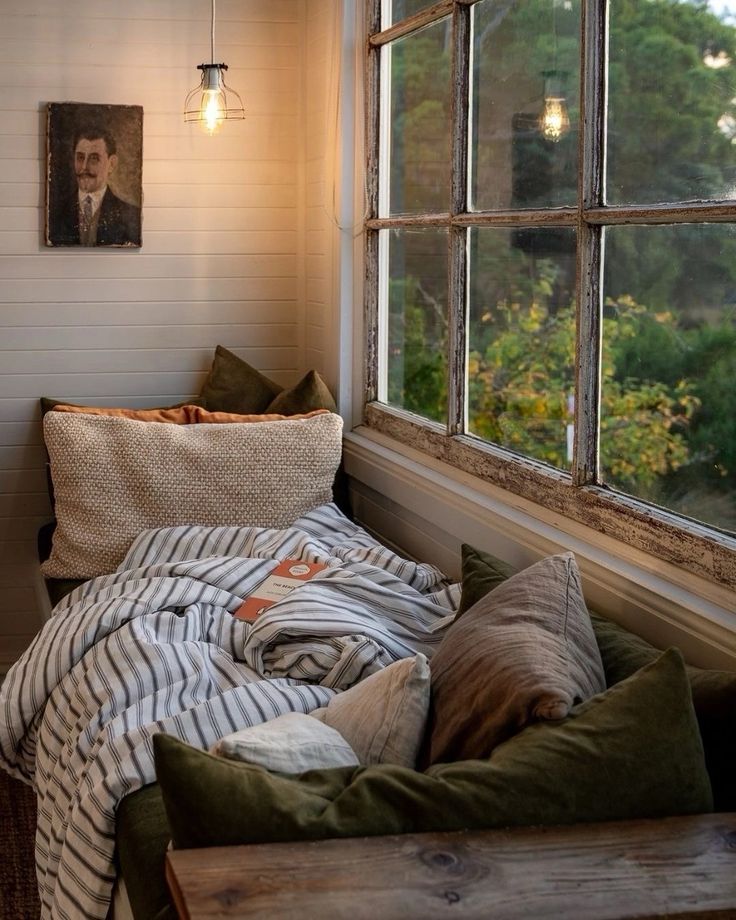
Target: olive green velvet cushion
column 632, row 751
column 310, row 393
column 481, row 573
column 623, row 653
column 714, row 698
column 232, row 385
column 141, row 839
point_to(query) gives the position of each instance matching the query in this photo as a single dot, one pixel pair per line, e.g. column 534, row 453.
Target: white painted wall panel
column 228, row 249
column 322, row 89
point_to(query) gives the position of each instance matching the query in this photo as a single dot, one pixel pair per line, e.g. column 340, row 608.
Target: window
column 551, row 256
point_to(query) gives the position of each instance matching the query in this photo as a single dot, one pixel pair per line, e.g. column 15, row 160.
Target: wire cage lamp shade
column 213, row 101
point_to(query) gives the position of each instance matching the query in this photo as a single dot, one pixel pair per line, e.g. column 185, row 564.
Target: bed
column 155, row 647
column 146, row 640
column 167, row 524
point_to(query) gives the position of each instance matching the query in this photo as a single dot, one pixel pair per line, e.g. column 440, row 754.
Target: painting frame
column 94, row 175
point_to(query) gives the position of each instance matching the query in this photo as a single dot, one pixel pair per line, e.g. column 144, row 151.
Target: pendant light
column 212, row 101
column 554, row 119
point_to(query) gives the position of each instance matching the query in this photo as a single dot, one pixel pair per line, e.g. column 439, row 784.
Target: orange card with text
column 287, row 575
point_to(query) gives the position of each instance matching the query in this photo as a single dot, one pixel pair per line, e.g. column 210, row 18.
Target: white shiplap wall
column 321, row 89
column 228, row 252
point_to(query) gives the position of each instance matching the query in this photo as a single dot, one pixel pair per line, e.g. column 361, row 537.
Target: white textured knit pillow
column 114, row 477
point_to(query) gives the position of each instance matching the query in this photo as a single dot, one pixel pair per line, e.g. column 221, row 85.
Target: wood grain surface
column 684, row 867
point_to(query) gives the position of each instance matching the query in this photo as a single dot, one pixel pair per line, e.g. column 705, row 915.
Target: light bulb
column 554, row 122
column 212, row 113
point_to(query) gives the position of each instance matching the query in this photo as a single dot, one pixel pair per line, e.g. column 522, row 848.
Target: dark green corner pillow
column 232, row 385
column 481, row 573
column 310, row 393
column 623, row 653
column 633, row 751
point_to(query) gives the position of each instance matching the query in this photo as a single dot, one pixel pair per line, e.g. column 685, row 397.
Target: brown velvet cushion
column 310, row 393
column 525, row 652
column 232, row 385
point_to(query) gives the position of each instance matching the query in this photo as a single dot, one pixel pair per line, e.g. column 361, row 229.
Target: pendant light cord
column 212, row 35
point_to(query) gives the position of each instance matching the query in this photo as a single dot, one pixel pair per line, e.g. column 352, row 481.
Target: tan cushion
column 383, row 718
column 187, row 414
column 525, row 652
column 115, row 477
column 292, row 743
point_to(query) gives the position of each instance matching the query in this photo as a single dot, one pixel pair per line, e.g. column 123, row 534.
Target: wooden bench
column 684, row 866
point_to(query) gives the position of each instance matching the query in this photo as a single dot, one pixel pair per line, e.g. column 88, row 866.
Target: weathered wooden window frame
column 579, row 494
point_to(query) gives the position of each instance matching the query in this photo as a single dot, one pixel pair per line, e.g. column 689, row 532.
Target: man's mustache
column 85, row 175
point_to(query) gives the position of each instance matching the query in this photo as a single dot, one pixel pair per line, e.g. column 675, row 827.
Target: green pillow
column 141, row 838
column 232, row 385
column 631, row 752
column 623, row 653
column 481, row 573
column 309, row 394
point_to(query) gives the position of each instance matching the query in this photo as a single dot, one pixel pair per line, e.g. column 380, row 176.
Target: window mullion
column 458, row 249
column 372, row 144
column 585, row 466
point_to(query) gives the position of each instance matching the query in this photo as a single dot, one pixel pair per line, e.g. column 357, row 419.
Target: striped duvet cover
column 154, row 647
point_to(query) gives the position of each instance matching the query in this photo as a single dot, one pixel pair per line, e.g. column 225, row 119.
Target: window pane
column 668, row 430
column 395, row 10
column 418, row 122
column 416, row 347
column 525, row 63
column 521, row 340
column 672, row 112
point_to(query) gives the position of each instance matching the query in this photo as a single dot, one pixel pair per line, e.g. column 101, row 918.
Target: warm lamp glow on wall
column 212, row 102
column 554, row 119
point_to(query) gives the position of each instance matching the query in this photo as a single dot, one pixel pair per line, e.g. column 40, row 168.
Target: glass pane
column 524, row 117
column 394, row 10
column 672, row 111
column 668, row 428
column 521, row 340
column 416, row 347
column 418, row 124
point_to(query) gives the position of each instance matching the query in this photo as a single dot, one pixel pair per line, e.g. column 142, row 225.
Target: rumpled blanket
column 154, row 648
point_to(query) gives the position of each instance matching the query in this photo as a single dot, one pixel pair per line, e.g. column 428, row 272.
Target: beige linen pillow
column 292, row 743
column 115, row 477
column 384, row 716
column 525, row 652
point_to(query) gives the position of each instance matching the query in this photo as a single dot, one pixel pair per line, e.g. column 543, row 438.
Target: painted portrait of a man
column 94, row 178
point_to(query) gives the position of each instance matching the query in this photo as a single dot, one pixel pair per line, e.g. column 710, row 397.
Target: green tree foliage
column 417, row 358
column 521, row 387
column 668, row 429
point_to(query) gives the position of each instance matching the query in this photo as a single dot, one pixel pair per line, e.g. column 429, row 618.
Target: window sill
column 428, row 508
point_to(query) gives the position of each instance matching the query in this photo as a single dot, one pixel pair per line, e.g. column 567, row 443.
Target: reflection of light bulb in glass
column 554, row 122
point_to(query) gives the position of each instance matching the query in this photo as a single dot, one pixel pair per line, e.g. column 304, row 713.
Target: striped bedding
column 153, row 647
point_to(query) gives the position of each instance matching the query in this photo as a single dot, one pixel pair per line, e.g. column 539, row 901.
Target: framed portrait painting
column 94, row 178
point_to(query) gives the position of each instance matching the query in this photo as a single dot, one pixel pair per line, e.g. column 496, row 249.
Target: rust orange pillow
column 180, row 415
